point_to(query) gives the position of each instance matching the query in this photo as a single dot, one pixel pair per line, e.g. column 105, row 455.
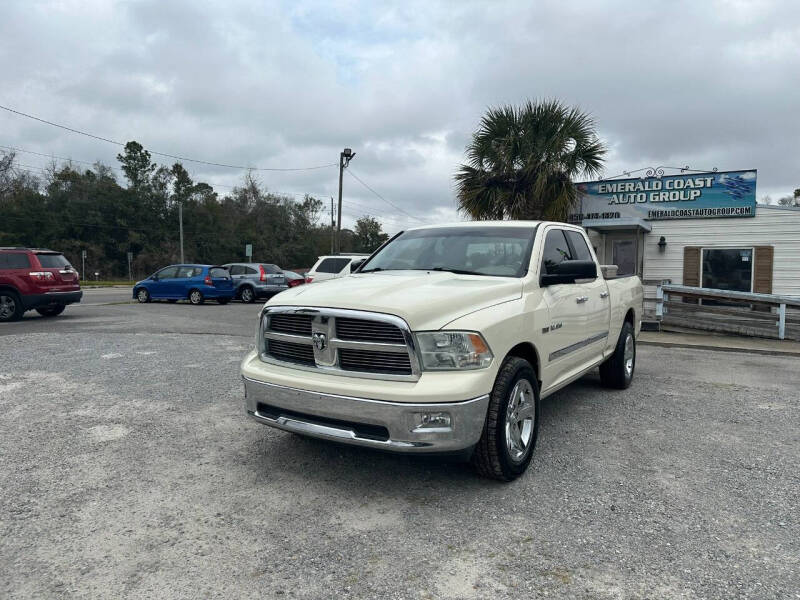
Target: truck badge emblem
column 320, row 341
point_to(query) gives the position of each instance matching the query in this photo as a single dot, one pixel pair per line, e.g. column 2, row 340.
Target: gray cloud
column 289, row 84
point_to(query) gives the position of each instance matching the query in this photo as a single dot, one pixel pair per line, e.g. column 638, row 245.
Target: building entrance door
column 623, row 249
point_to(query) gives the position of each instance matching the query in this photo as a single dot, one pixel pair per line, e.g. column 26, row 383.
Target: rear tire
column 142, row 295
column 247, row 294
column 617, row 371
column 196, row 297
column 51, row 311
column 11, row 308
column 512, row 423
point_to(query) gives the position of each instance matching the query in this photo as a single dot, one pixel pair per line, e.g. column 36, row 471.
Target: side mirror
column 569, row 271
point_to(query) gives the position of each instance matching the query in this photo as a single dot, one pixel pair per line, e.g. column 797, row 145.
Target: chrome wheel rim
column 7, row 307
column 195, row 298
column 247, row 294
column 520, row 415
column 142, row 296
column 628, row 355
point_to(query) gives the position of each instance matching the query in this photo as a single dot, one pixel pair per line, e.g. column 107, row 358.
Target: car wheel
column 512, row 423
column 247, row 294
column 51, row 311
column 617, row 370
column 223, row 300
column 196, row 297
column 10, row 307
column 142, row 295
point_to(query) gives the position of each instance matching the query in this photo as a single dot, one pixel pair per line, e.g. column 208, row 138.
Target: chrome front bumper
column 390, row 426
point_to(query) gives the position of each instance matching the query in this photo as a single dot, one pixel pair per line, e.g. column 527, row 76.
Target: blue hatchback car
column 194, row 283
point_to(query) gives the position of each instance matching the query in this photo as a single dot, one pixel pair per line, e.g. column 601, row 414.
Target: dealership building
column 700, row 229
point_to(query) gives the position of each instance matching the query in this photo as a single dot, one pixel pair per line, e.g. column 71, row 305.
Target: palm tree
column 522, row 162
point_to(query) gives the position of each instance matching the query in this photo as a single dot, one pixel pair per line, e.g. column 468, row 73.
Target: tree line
column 74, row 210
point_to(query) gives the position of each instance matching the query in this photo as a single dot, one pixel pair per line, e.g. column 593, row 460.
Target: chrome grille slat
column 356, row 343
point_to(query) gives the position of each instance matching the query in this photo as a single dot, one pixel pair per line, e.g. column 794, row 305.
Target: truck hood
column 424, row 299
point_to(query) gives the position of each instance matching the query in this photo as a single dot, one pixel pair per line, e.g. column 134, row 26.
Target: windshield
column 495, row 251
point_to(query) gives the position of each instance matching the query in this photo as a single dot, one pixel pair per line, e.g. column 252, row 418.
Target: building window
column 728, row 269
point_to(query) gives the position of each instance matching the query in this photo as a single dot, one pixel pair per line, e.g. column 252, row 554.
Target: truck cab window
column 556, row 250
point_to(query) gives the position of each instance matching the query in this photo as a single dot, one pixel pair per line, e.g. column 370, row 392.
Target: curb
column 763, row 351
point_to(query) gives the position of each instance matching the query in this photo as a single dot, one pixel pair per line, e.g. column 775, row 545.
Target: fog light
column 432, row 420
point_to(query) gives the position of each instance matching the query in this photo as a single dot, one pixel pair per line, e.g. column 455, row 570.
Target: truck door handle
column 604, row 294
column 581, row 299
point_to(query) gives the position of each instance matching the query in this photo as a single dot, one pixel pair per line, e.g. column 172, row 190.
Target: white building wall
column 772, row 226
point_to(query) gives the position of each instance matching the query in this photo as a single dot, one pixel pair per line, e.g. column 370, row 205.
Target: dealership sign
column 685, row 196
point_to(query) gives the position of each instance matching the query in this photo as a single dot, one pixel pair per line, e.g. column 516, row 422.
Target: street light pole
column 180, row 225
column 344, row 159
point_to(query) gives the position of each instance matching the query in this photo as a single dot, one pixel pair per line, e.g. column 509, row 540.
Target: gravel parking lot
column 129, row 469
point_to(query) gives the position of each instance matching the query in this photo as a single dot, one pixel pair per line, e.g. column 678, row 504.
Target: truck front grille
column 368, row 331
column 374, row 362
column 339, row 342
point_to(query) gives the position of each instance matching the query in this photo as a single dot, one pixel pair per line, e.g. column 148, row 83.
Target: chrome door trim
column 577, row 346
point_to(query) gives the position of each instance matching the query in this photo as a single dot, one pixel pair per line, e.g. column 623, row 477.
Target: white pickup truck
column 445, row 340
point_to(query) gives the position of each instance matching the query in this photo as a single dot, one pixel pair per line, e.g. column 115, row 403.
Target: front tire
column 247, row 294
column 11, row 308
column 512, row 423
column 51, row 311
column 617, row 371
column 196, row 297
column 143, row 296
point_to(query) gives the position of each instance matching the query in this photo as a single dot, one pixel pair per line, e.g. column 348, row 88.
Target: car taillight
column 295, row 282
column 42, row 275
column 309, row 279
column 208, row 281
column 263, row 275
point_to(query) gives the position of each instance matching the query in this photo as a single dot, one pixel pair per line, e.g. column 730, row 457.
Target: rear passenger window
column 236, row 269
column 556, row 250
column 332, row 265
column 52, row 261
column 14, row 260
column 579, row 246
column 187, row 272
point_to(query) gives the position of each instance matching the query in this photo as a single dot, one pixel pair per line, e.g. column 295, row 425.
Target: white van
column 334, row 266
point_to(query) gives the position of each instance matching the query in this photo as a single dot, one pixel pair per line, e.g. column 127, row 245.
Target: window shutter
column 691, row 266
column 762, row 265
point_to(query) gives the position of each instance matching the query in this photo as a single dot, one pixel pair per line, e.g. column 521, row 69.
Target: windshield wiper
column 456, row 271
column 372, row 270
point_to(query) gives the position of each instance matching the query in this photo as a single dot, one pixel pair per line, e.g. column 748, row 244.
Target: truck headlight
column 453, row 350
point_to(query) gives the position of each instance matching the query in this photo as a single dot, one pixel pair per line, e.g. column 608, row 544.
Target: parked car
column 293, row 279
column 195, row 283
column 36, row 279
column 445, row 341
column 334, row 266
column 256, row 280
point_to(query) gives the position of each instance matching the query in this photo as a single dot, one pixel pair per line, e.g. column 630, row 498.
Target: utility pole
column 344, row 159
column 333, row 224
column 180, row 224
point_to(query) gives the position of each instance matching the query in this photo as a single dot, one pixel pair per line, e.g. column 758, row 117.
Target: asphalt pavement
column 128, row 469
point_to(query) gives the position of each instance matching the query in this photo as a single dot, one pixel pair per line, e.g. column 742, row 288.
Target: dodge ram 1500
column 445, row 340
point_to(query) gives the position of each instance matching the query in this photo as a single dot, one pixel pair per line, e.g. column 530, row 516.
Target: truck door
column 562, row 334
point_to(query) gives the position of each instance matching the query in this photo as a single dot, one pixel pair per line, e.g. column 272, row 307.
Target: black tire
column 247, row 294
column 617, row 371
column 143, row 296
column 223, row 300
column 493, row 456
column 51, row 311
column 196, row 297
column 11, row 308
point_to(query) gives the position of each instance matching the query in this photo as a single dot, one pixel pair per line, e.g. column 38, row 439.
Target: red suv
column 38, row 279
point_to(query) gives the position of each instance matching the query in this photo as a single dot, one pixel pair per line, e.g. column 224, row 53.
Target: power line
column 153, row 152
column 392, row 204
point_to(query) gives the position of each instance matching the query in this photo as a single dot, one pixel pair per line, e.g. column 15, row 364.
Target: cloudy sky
column 289, row 84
